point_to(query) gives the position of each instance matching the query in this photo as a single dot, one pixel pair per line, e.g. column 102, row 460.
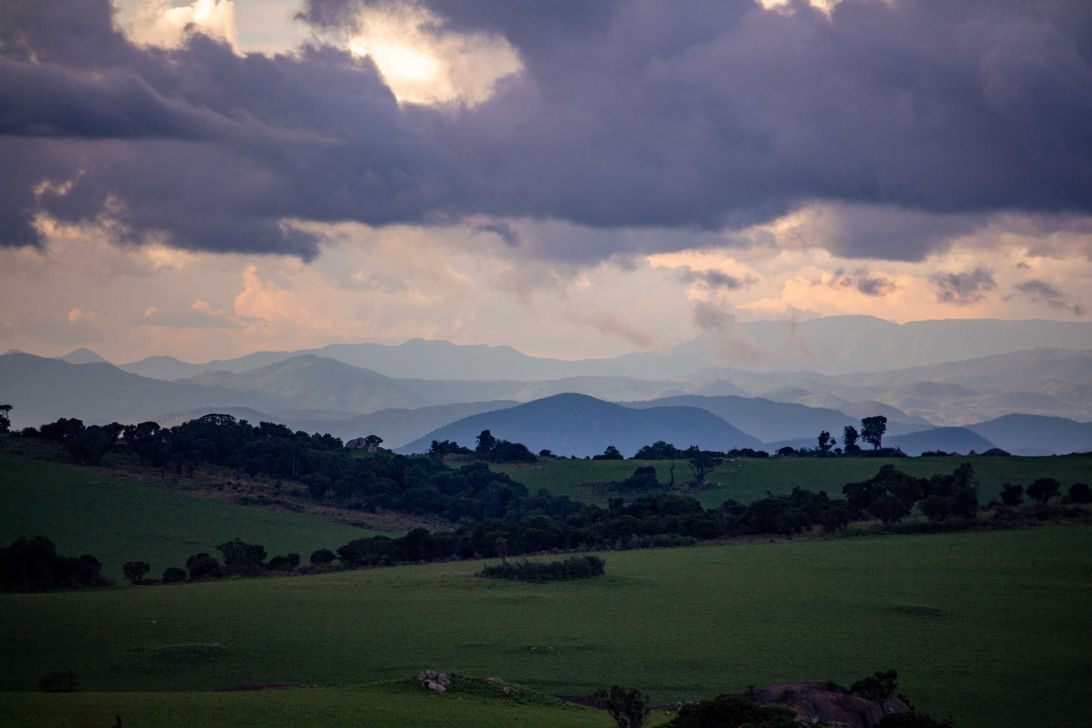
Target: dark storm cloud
column 1043, row 292
column 924, row 117
column 963, row 288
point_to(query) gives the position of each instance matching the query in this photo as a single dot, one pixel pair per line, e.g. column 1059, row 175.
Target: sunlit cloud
column 159, row 23
column 425, row 64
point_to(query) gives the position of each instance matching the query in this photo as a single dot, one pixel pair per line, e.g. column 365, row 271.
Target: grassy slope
column 746, row 480
column 119, row 519
column 387, row 704
column 990, row 628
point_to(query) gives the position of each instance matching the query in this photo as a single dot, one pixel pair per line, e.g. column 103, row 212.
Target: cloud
column 159, row 23
column 864, row 282
column 913, row 124
column 502, row 230
column 199, row 316
column 1043, row 292
column 715, row 279
column 613, row 325
column 963, row 288
column 731, row 343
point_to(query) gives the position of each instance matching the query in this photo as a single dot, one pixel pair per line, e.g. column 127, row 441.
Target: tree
column 486, row 444
column 322, row 557
column 240, row 557
column 135, row 570
column 628, row 707
column 1043, row 489
column 203, row 566
column 174, row 575
column 372, row 442
column 872, row 429
column 849, row 438
column 1012, row 495
column 611, row 453
column 826, row 442
column 701, row 463
column 5, row 418
column 1079, row 493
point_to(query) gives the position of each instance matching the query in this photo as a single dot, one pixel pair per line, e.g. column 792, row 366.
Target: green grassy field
column 991, row 628
column 121, row 519
column 748, row 479
column 384, row 704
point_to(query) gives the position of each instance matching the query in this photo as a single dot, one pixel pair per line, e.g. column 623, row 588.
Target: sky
column 571, row 178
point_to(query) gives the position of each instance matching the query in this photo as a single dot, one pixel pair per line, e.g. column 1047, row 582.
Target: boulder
column 828, row 703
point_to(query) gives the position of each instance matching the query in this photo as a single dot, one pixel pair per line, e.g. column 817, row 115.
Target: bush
column 174, row 575
column 322, row 557
column 577, row 567
column 732, row 711
column 203, row 566
column 135, row 571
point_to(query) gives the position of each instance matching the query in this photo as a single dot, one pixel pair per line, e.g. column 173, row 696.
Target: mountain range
column 1029, row 401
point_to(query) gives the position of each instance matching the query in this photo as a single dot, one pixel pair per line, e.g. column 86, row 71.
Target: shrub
column 174, row 575
column 732, row 711
column 577, row 567
column 322, row 557
column 203, row 566
column 135, row 570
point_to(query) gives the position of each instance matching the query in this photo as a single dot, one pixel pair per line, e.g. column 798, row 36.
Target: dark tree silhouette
column 872, row 429
column 5, row 417
column 1012, row 495
column 849, row 438
column 486, row 444
column 1043, row 489
column 628, row 707
column 135, row 570
column 826, row 442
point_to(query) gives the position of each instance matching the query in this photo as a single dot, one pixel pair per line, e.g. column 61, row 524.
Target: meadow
column 990, row 628
column 120, row 518
column 748, row 479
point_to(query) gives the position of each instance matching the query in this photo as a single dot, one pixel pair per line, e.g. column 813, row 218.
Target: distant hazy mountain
column 1036, row 435
column 573, row 424
column 960, row 440
column 319, row 383
column 83, row 356
column 396, row 426
column 832, row 345
column 42, row 389
column 772, row 421
column 166, row 367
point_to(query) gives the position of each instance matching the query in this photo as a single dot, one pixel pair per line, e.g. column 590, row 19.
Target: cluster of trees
column 1042, row 490
column 33, row 564
column 365, row 480
column 501, row 451
column 238, row 558
column 891, row 494
column 576, row 567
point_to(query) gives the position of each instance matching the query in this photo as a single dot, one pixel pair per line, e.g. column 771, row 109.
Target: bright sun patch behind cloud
column 424, row 65
column 159, row 23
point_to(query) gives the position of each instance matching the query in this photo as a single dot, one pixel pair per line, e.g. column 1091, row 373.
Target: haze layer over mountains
column 955, row 385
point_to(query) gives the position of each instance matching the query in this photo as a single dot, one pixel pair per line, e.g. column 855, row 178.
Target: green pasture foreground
column 990, row 628
column 749, row 479
column 385, row 705
column 118, row 519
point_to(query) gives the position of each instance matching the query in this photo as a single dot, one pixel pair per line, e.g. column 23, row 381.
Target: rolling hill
column 574, row 424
